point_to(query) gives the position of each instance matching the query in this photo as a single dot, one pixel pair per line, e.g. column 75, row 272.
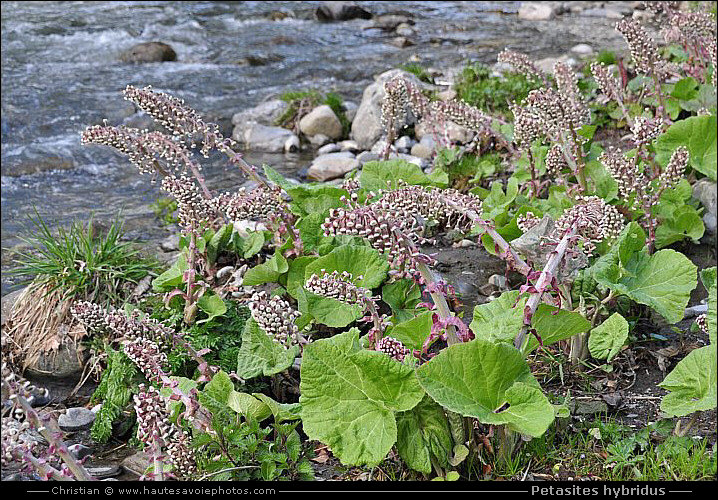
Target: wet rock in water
column 266, row 113
column 340, row 11
column 321, row 120
column 328, row 148
column 266, row 138
column 404, row 29
column 292, row 145
column 171, row 243
column 137, row 463
column 76, row 419
column 367, row 128
column 536, row 11
column 62, row 363
column 257, row 60
column 319, row 140
column 391, row 22
column 401, row 42
column 104, row 471
column 34, row 159
column 331, row 166
column 149, row 52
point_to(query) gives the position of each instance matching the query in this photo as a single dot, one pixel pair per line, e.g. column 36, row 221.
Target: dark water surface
column 60, row 73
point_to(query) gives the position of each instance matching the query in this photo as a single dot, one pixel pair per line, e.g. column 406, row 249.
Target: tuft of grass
column 492, row 93
column 417, row 70
column 82, row 263
column 165, row 209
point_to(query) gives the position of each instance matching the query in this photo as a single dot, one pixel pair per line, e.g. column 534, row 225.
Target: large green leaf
column 309, row 199
column 708, row 277
column 349, row 398
column 383, row 175
column 332, row 312
column 412, row 333
column 216, row 393
column 698, row 134
column 172, row 277
column 692, row 383
column 249, row 406
column 489, row 381
column 662, row 281
column 260, row 354
column 211, row 304
column 423, row 431
column 356, row 260
column 501, row 319
column 267, row 272
column 607, row 338
column 552, row 325
column 402, row 296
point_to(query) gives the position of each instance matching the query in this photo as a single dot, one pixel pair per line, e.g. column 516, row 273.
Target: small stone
column 171, row 243
column 536, row 11
column 447, row 95
column 292, row 144
column 79, row 451
column 590, row 407
column 328, row 148
column 694, row 311
column 104, row 471
column 319, row 140
column 349, row 145
column 466, row 243
column 340, row 11
column 404, row 29
column 498, row 281
column 137, row 463
column 366, row 156
column 224, row 273
column 96, row 408
column 404, row 143
column 582, row 50
column 401, row 42
column 76, row 419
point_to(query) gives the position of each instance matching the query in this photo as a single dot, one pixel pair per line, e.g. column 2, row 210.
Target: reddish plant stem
column 509, row 254
column 51, row 433
column 543, row 282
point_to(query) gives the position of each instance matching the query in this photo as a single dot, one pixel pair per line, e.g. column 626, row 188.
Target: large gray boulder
column 705, row 191
column 331, row 166
column 366, row 127
column 265, row 138
column 265, row 113
column 149, row 52
column 321, row 120
column 340, row 11
column 61, row 363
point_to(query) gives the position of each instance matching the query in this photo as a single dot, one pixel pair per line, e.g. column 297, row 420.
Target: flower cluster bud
column 128, row 141
column 527, row 221
column 675, row 169
column 573, row 105
column 193, row 209
column 395, row 104
column 624, row 171
column 595, row 221
column 181, row 456
column 15, row 440
column 172, row 113
column 702, row 322
column 384, row 233
column 276, row 317
column 555, row 161
column 643, row 49
column 393, row 348
column 153, row 418
column 463, row 115
column 645, row 130
column 520, row 62
column 607, row 83
column 339, row 286
column 262, row 203
column 148, row 358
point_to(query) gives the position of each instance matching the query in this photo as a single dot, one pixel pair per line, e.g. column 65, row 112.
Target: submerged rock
column 340, row 11
column 536, row 11
column 149, row 52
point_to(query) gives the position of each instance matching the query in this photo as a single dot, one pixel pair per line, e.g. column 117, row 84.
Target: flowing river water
column 61, row 73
